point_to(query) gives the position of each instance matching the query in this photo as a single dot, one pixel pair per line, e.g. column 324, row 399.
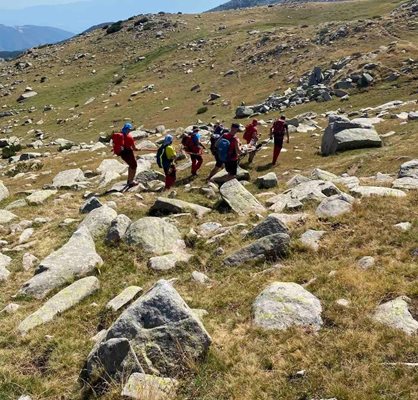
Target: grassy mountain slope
column 347, row 359
column 236, row 4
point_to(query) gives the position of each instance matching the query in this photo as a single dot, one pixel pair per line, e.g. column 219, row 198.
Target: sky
column 78, row 15
column 16, row 4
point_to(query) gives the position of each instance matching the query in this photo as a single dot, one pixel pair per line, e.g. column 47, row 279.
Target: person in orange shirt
column 124, row 147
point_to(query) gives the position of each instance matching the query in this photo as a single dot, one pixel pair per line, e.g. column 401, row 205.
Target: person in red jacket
column 278, row 130
column 191, row 145
column 234, row 151
column 251, row 136
column 124, row 147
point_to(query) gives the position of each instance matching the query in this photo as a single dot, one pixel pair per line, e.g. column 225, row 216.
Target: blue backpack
column 222, row 147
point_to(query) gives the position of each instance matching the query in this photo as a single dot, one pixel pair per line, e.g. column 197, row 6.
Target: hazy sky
column 13, row 4
column 77, row 15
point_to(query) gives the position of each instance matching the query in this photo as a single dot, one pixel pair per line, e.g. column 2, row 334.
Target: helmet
column 127, row 128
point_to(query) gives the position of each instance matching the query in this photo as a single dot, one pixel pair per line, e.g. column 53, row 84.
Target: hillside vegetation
column 158, row 71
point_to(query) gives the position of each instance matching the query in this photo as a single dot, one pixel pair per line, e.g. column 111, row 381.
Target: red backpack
column 279, row 128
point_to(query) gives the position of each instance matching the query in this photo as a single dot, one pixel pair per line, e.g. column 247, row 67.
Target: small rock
column 366, row 262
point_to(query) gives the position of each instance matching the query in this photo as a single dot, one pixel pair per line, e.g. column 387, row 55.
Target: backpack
column 160, row 154
column 190, row 144
column 213, row 141
column 222, row 148
column 279, row 128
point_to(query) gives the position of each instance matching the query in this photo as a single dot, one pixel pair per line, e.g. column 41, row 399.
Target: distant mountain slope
column 236, row 4
column 24, row 37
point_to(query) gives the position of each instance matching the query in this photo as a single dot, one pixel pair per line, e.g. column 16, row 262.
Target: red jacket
column 250, row 133
column 121, row 142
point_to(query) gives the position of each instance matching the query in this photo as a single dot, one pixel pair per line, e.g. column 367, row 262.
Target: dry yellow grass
column 343, row 360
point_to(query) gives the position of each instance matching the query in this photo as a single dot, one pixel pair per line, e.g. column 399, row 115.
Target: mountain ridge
column 23, row 37
column 237, row 4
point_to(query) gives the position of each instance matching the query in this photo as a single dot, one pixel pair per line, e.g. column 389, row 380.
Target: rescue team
column 225, row 147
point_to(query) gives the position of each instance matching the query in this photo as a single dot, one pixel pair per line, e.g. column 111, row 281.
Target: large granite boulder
column 283, row 305
column 342, row 134
column 155, row 236
column 61, row 302
column 166, row 206
column 240, row 199
column 269, row 248
column 99, row 220
column 77, row 258
column 158, row 335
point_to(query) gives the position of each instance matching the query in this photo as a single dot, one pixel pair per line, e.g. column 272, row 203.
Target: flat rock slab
column 395, row 314
column 99, row 220
column 158, row 331
column 311, row 239
column 240, row 199
column 124, row 298
column 166, row 206
column 155, row 236
column 39, row 197
column 283, row 305
column 270, row 247
column 294, row 197
column 406, row 183
column 69, row 179
column 6, row 217
column 150, row 387
column 75, row 259
column 369, row 191
column 62, row 301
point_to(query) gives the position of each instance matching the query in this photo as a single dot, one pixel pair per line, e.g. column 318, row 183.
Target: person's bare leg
column 214, row 171
column 131, row 174
column 251, row 157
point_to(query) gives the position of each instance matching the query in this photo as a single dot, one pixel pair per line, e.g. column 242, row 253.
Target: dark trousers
column 197, row 161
